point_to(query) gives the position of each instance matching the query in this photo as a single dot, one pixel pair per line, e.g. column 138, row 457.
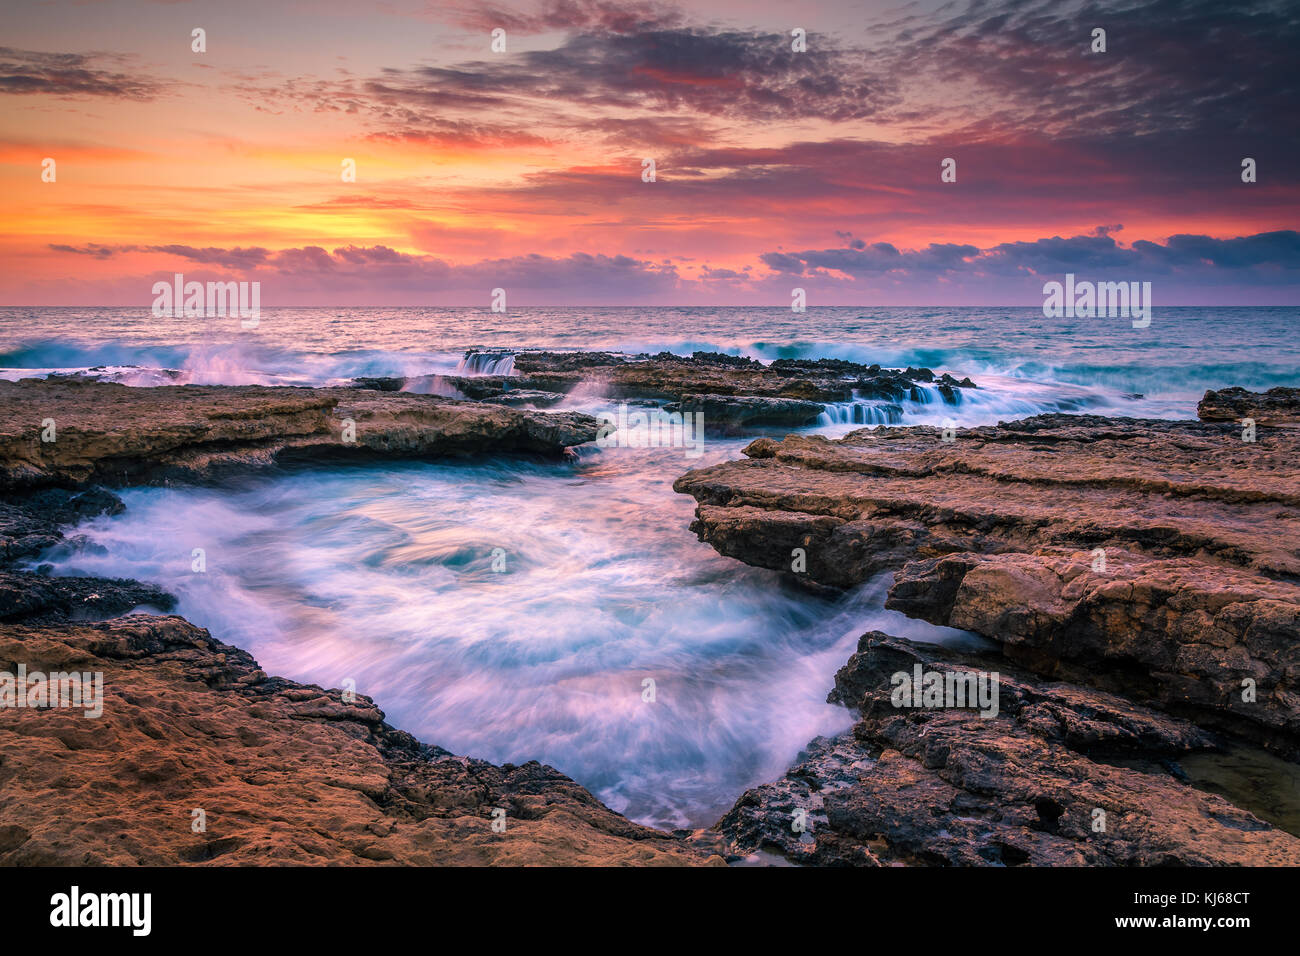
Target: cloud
column 236, row 258
column 859, row 260
column 73, row 75
column 1269, row 250
column 1170, row 66
column 1202, row 259
column 604, row 15
column 90, row 249
column 654, row 73
column 379, row 273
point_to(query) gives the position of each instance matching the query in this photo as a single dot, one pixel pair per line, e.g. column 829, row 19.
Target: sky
column 524, row 168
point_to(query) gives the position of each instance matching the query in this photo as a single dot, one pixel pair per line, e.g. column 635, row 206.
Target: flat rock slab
column 1062, row 775
column 114, row 434
column 285, row 773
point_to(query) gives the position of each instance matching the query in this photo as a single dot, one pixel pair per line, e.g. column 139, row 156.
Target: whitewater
column 383, row 574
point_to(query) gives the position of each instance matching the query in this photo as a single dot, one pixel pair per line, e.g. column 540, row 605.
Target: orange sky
column 469, row 160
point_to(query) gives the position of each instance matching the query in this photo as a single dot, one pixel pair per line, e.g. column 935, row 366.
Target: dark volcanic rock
column 566, row 361
column 30, row 524
column 948, row 786
column 378, row 384
column 37, row 599
column 1278, row 407
column 25, row 534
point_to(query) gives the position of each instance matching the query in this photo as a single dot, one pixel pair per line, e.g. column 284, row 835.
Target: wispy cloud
column 75, row 75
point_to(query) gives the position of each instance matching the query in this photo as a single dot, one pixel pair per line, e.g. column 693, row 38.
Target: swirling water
column 516, row 610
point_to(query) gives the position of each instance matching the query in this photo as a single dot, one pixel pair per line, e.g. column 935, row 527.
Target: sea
column 562, row 611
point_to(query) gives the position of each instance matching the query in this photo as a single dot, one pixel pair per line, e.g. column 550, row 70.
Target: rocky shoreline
column 284, row 772
column 1063, row 776
column 1140, row 582
column 1133, row 577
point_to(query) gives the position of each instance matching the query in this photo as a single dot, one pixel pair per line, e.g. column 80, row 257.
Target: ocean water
column 384, row 575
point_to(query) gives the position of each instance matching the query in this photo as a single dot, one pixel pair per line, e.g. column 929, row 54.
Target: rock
column 947, row 786
column 285, row 773
column 1187, row 635
column 382, row 384
column 732, row 412
column 517, row 397
column 114, row 434
column 996, row 532
column 34, row 598
column 543, row 361
column 674, row 378
column 25, row 533
column 1278, row 407
column 30, row 524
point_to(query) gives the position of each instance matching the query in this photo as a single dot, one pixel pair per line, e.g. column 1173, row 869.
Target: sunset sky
column 775, row 169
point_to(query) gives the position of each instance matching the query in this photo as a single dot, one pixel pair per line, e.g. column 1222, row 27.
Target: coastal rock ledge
column 1060, row 776
column 1155, row 559
column 71, row 431
column 284, row 773
column 281, row 772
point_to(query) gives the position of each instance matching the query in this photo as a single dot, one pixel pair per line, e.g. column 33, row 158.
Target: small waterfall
column 860, row 413
column 487, row 363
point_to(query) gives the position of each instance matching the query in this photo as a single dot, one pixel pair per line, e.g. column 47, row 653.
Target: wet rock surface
column 34, row 598
column 1062, row 775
